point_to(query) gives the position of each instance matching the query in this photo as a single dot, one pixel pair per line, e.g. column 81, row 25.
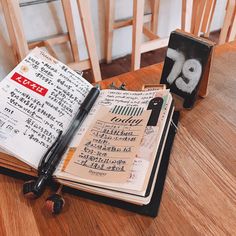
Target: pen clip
column 174, row 125
column 44, row 158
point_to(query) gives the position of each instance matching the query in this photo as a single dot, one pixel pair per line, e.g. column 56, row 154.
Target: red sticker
column 29, row 84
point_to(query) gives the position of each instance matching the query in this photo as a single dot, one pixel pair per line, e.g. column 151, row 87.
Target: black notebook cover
column 150, row 209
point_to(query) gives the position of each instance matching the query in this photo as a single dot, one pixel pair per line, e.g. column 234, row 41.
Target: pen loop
column 44, row 158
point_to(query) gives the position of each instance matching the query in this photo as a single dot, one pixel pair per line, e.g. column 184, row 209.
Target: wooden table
column 199, row 197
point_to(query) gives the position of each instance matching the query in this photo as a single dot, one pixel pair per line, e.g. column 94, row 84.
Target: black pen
column 53, row 156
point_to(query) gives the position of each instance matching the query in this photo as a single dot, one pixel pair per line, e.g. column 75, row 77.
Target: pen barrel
column 90, row 99
column 65, row 140
column 46, row 171
column 53, row 161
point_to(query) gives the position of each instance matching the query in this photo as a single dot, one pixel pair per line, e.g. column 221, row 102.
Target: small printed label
column 29, row 84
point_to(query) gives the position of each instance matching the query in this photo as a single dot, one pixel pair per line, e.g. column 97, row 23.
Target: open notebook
column 118, row 149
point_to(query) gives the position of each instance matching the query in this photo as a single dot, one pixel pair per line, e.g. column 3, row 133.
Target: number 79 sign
column 184, row 66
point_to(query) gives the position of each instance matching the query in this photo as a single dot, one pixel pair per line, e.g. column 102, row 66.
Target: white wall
column 47, row 19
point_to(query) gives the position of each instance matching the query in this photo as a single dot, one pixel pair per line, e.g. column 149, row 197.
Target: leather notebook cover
column 150, row 209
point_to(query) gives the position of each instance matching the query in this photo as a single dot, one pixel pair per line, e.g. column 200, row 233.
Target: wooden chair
column 155, row 41
column 196, row 17
column 112, row 25
column 137, row 46
column 11, row 9
column 228, row 30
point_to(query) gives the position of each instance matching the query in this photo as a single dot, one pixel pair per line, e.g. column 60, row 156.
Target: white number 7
column 191, row 69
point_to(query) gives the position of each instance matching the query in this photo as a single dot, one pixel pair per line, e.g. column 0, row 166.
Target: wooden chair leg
column 232, row 34
column 138, row 10
column 210, row 20
column 86, row 21
column 208, row 16
column 194, row 14
column 10, row 29
column 227, row 21
column 199, row 17
column 155, row 5
column 15, row 27
column 183, row 15
column 110, row 11
column 186, row 17
column 71, row 28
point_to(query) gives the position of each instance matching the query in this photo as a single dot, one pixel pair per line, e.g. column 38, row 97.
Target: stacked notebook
column 119, row 154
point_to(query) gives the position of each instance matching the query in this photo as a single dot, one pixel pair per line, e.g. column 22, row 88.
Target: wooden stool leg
column 195, row 7
column 86, row 21
column 227, row 21
column 138, row 11
column 10, row 29
column 183, row 15
column 155, row 11
column 232, row 34
column 211, row 17
column 15, row 27
column 199, row 17
column 71, row 28
column 110, row 11
column 208, row 16
column 186, row 18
